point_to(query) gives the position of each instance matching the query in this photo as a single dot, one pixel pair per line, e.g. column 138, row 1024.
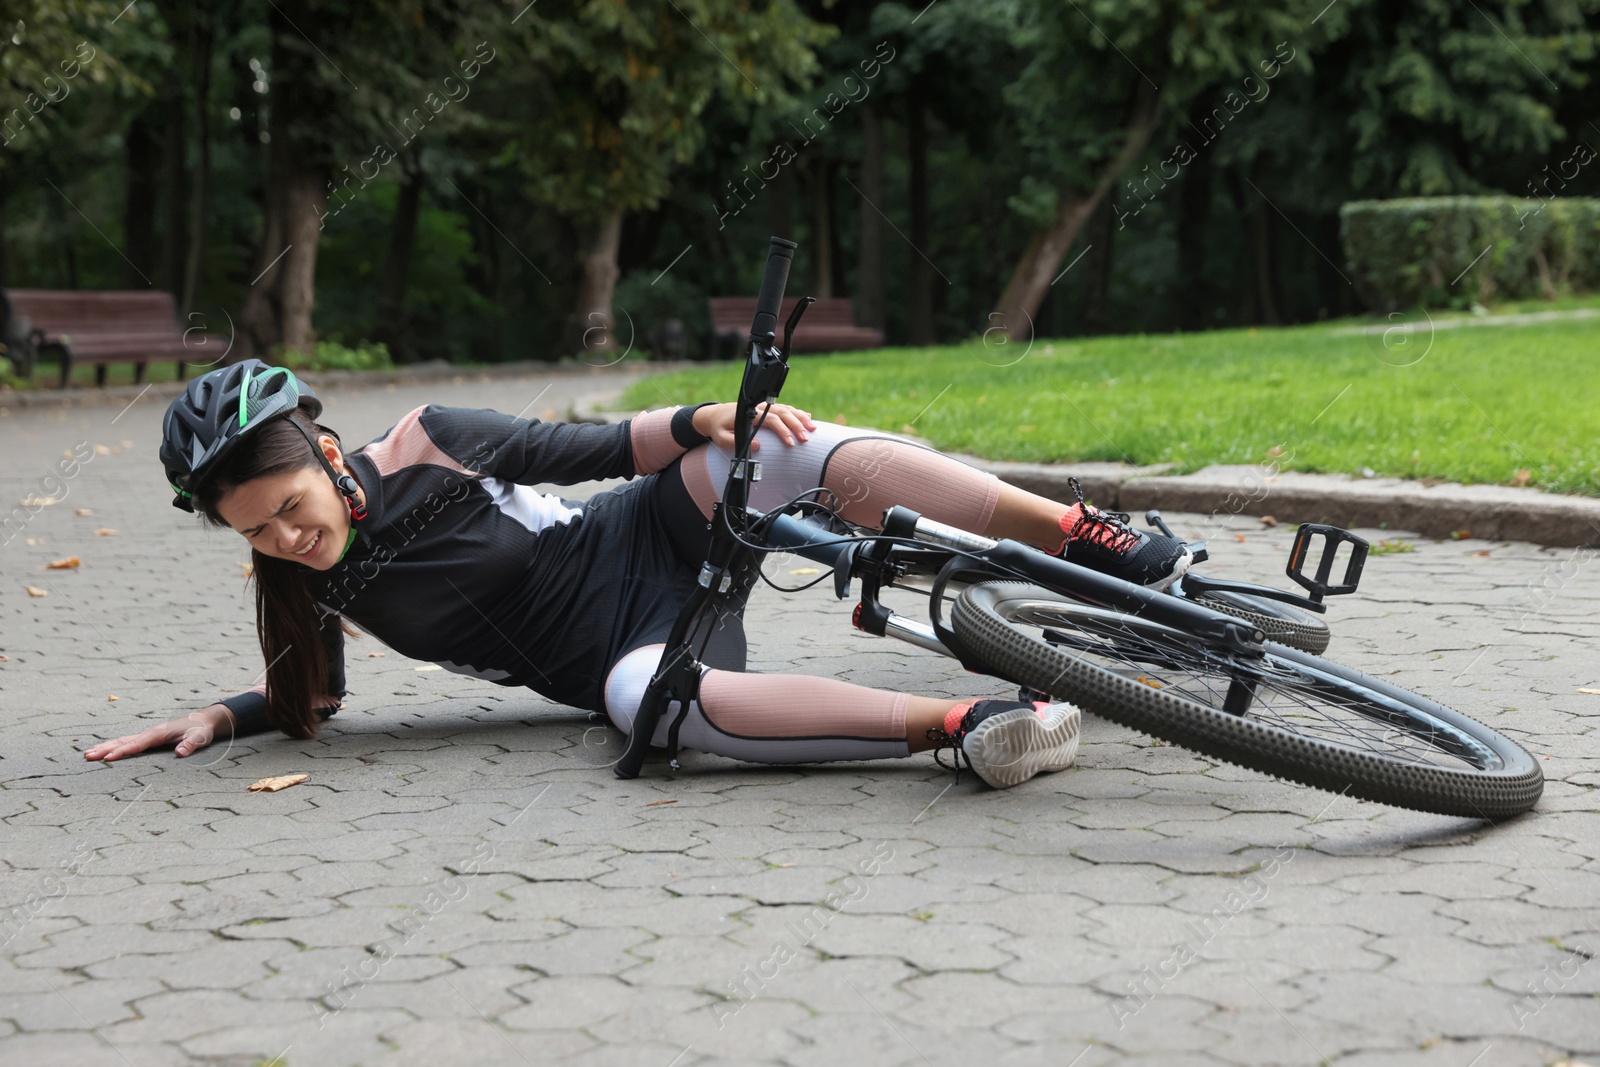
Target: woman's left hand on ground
column 789, row 423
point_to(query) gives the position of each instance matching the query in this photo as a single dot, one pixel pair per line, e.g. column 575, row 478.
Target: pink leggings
column 790, row 718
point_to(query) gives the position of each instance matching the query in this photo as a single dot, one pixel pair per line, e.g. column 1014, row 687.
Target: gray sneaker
column 1007, row 742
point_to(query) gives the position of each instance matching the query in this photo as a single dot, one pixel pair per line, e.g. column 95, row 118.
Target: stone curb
column 1442, row 510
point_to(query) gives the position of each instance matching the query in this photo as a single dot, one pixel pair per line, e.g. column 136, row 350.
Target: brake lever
column 793, row 321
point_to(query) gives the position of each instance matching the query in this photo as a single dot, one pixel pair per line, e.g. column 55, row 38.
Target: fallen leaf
column 1460, row 535
column 5, row 659
column 282, row 781
column 1591, row 692
column 106, row 531
column 247, row 568
column 36, row 592
column 63, row 564
column 1523, row 477
column 654, row 803
column 840, row 419
column 1275, row 451
column 806, row 570
column 83, row 511
column 1268, row 520
column 908, row 429
column 1482, row 555
column 101, row 450
column 1151, row 682
column 35, row 540
column 38, row 501
column 1239, row 537
column 428, row 667
column 113, row 696
column 376, row 655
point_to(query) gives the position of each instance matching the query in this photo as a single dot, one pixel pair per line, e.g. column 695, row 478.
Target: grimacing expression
column 297, row 515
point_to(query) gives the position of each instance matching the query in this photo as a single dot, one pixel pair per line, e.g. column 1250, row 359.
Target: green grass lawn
column 1495, row 404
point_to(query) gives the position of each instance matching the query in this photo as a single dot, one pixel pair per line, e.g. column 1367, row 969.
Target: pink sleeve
column 653, row 444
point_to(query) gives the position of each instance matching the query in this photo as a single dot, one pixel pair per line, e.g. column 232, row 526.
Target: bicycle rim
column 1282, row 712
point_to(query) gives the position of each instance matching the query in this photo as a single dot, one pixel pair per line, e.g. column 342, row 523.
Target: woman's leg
column 782, row 718
column 868, row 471
column 786, row 718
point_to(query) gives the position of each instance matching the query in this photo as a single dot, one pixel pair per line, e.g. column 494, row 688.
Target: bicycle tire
column 1283, row 623
column 1456, row 766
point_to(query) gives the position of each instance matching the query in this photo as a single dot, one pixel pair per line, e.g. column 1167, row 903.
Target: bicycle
column 1209, row 665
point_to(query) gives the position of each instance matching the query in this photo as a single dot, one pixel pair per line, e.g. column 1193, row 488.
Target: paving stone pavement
column 463, row 881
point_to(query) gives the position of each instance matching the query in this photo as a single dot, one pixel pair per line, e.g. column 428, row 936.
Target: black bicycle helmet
column 223, row 407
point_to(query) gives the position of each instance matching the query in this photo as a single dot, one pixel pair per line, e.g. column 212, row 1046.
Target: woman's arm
column 190, row 734
column 236, row 716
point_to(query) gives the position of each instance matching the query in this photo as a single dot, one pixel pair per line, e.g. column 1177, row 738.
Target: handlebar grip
column 780, row 254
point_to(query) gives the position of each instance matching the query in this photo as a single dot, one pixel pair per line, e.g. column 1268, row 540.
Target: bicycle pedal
column 1333, row 537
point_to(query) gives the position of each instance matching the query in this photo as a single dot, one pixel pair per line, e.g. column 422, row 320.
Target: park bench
column 829, row 326
column 99, row 328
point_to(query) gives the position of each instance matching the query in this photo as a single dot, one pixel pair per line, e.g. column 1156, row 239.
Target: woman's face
column 296, row 515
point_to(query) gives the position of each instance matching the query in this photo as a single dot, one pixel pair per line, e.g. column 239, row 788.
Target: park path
column 464, row 881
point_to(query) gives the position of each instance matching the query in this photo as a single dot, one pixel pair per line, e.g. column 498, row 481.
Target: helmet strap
column 343, row 482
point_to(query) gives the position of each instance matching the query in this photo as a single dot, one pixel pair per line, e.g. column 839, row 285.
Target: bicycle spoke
column 1269, row 690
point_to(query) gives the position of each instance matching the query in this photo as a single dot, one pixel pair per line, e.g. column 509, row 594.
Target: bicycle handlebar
column 780, row 254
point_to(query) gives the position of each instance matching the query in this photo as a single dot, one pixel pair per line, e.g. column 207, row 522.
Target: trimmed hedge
column 1402, row 253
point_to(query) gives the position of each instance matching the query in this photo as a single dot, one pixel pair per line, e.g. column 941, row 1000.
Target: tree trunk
column 1194, row 218
column 780, row 204
column 821, row 250
column 919, row 299
column 202, row 37
column 1100, row 233
column 391, row 302
column 304, row 201
column 870, row 300
column 175, row 186
column 139, row 209
column 5, row 195
column 600, row 274
column 1040, row 262
column 1259, row 219
column 278, row 307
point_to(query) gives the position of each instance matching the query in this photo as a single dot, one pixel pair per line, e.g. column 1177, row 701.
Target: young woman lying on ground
column 431, row 539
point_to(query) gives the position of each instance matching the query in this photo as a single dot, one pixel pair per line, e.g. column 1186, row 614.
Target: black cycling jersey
column 461, row 563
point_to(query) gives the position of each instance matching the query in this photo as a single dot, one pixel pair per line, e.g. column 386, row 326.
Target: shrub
column 1403, row 253
column 334, row 355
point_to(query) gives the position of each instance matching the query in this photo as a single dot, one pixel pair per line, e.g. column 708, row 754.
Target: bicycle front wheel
column 1283, row 712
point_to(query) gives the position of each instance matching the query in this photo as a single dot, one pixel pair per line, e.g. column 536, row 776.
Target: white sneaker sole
column 1010, row 748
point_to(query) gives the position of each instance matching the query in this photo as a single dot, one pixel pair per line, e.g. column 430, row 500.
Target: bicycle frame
column 911, row 547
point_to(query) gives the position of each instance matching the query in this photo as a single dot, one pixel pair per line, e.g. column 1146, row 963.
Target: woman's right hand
column 190, row 734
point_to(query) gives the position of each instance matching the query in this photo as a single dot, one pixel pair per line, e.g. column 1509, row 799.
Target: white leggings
column 788, row 718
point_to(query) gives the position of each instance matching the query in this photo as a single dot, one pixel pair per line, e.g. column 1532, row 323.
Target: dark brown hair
column 287, row 620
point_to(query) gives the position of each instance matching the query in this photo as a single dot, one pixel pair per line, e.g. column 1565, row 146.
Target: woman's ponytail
column 288, row 624
column 288, row 621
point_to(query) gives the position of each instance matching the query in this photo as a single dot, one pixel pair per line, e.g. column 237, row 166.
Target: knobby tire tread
column 1466, row 792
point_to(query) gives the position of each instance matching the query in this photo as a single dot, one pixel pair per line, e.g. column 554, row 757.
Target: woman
column 431, row 539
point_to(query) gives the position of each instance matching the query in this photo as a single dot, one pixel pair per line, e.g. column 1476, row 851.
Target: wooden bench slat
column 98, row 327
column 828, row 325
